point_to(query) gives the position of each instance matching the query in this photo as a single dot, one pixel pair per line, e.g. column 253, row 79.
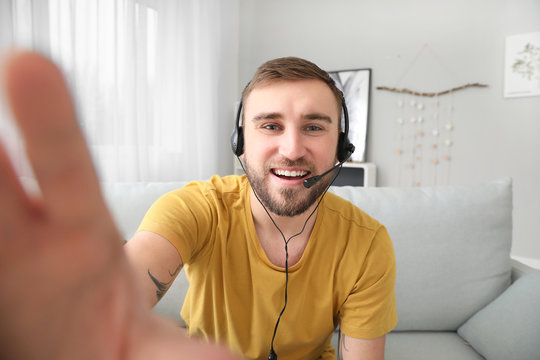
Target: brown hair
column 291, row 68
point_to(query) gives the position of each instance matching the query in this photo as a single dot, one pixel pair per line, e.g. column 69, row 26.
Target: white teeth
column 290, row 173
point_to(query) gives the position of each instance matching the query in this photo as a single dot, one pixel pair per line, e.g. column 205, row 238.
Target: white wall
column 494, row 137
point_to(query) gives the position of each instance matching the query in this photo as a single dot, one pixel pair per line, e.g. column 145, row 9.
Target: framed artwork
column 355, row 85
column 522, row 65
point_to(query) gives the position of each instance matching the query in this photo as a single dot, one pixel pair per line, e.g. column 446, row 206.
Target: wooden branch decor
column 417, row 93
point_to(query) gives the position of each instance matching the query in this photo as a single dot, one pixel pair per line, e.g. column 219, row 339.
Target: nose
column 292, row 144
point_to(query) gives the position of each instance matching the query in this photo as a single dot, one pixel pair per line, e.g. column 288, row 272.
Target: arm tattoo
column 161, row 286
column 175, row 272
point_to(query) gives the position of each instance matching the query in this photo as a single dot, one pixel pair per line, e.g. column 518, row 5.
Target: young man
column 247, row 240
column 82, row 301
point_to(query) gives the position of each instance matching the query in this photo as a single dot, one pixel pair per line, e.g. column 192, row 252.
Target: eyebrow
column 318, row 116
column 276, row 115
column 266, row 116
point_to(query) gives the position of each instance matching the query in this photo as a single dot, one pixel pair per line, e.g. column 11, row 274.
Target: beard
column 287, row 201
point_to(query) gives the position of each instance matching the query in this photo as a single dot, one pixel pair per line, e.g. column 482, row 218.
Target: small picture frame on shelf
column 355, row 85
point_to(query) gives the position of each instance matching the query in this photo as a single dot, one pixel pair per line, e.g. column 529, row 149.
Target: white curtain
column 154, row 80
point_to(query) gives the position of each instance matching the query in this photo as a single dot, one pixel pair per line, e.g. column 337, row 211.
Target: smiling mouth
column 290, row 174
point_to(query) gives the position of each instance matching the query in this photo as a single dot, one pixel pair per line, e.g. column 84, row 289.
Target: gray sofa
column 459, row 294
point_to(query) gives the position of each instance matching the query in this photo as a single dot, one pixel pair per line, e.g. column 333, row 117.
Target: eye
column 271, row 127
column 312, row 128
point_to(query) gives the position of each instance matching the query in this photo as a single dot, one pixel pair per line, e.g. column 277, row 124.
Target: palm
column 66, row 289
column 56, row 290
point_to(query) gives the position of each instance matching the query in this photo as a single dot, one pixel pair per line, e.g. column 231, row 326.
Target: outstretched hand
column 66, row 288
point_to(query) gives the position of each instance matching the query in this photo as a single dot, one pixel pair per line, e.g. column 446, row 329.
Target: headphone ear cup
column 237, row 141
column 342, row 147
column 237, row 137
column 345, row 148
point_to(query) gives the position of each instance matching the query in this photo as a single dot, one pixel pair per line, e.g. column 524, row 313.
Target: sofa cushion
column 452, row 247
column 509, row 327
column 425, row 345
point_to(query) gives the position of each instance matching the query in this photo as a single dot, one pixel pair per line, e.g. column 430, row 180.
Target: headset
column 344, row 149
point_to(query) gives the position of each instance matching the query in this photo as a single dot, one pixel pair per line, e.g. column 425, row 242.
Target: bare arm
column 361, row 349
column 156, row 264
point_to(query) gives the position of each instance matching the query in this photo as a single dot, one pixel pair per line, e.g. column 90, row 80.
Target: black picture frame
column 356, row 87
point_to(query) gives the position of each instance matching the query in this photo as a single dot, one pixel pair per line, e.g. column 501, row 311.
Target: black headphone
column 344, row 149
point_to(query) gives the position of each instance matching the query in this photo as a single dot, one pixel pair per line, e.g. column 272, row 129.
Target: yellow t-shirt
column 346, row 274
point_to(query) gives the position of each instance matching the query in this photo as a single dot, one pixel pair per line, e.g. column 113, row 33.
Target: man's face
column 291, row 133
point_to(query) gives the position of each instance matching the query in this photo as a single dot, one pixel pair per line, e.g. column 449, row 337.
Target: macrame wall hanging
column 424, row 127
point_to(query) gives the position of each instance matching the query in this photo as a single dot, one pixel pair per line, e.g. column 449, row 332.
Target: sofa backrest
column 129, row 201
column 452, row 244
column 452, row 247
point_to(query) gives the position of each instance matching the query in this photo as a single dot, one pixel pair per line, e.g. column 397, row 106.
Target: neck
column 289, row 225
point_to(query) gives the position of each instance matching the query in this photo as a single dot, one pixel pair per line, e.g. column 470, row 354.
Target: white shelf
column 370, row 172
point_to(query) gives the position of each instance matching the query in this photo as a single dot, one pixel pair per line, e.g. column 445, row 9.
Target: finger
column 42, row 106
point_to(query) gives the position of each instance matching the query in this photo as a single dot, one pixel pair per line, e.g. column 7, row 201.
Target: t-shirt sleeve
column 370, row 309
column 184, row 217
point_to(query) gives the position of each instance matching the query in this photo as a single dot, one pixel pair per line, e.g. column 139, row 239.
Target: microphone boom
column 309, row 182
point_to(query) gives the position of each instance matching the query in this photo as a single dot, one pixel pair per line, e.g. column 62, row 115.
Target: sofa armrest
column 519, row 269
